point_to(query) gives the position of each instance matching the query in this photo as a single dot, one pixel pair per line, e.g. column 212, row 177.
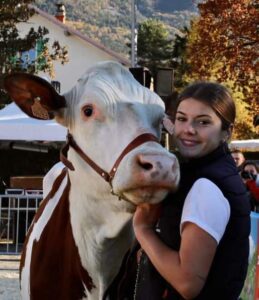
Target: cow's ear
column 34, row 95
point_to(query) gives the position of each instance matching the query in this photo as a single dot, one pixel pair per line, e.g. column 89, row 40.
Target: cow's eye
column 88, row 110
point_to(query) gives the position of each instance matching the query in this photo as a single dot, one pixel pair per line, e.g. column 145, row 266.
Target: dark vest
column 228, row 271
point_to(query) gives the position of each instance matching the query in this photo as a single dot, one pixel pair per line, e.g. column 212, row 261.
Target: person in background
column 251, row 168
column 250, row 177
column 239, row 159
column 195, row 244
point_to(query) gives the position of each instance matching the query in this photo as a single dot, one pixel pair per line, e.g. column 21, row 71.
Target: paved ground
column 9, row 277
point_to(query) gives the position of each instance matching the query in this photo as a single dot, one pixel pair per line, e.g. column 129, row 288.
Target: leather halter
column 141, row 139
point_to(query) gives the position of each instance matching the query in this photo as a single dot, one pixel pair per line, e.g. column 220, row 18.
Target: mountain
column 109, row 21
column 172, row 6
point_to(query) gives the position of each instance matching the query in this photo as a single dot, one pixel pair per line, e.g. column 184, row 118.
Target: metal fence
column 17, row 209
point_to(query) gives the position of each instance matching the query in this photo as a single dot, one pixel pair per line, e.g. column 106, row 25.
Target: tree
column 226, row 39
column 171, row 6
column 243, row 128
column 154, row 46
column 223, row 45
column 178, row 59
column 15, row 49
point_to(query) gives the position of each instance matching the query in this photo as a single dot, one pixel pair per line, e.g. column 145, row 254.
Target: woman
column 198, row 249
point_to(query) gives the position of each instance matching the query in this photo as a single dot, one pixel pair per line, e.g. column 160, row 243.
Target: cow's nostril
column 144, row 163
column 146, row 166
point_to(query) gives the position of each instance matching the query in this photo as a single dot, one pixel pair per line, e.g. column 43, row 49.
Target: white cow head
column 104, row 112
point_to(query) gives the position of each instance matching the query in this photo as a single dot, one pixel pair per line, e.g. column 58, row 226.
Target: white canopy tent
column 245, row 145
column 16, row 125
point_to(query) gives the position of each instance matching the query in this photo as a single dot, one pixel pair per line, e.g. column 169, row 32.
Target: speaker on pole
column 164, row 81
column 142, row 75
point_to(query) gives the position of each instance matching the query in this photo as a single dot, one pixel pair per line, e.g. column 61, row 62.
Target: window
column 31, row 56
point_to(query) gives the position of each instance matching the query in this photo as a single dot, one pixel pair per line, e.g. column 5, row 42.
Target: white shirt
column 206, row 206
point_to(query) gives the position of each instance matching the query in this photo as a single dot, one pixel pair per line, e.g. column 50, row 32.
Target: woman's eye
column 180, row 119
column 203, row 122
column 88, row 111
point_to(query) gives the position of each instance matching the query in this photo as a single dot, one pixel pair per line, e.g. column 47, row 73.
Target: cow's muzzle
column 107, row 176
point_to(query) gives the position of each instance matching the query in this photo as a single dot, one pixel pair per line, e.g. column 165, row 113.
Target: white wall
column 81, row 53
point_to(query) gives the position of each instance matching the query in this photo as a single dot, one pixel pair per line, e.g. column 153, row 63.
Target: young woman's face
column 198, row 130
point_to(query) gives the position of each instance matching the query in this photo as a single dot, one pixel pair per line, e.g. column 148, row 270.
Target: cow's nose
column 156, row 166
column 145, row 162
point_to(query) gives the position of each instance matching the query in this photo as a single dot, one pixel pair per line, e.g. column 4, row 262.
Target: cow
column 112, row 161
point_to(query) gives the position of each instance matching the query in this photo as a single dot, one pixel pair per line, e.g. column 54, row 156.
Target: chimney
column 61, row 12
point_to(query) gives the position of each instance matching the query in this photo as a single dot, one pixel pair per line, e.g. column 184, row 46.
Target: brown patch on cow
column 56, row 269
column 43, row 204
column 25, row 88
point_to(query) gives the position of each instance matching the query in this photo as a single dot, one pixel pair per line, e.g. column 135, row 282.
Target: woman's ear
column 230, row 131
column 227, row 133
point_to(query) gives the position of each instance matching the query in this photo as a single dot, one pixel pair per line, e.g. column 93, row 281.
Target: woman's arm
column 185, row 270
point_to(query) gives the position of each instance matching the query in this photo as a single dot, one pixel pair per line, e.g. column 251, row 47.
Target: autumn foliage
column 223, row 45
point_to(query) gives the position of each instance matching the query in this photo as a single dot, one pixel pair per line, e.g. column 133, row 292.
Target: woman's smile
column 188, row 143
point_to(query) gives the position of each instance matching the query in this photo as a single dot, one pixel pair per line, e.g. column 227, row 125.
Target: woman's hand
column 146, row 217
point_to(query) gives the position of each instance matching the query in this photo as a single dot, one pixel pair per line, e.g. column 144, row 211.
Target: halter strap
column 143, row 138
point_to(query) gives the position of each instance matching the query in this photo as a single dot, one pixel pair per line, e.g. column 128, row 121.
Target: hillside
column 171, row 6
column 109, row 22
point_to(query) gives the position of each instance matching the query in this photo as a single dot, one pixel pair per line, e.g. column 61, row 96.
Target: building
column 82, row 51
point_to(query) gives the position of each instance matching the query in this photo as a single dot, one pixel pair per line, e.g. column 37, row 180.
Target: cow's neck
column 102, row 230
